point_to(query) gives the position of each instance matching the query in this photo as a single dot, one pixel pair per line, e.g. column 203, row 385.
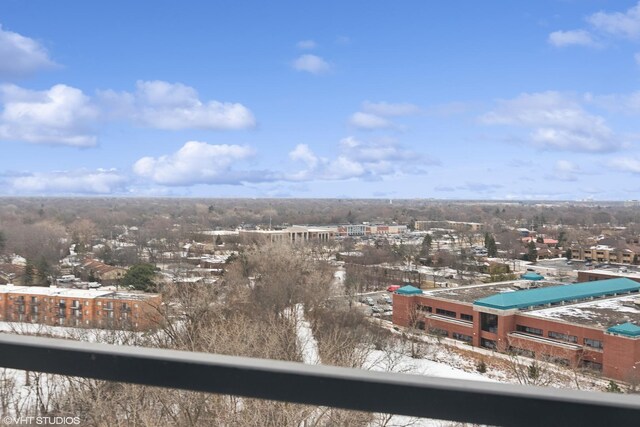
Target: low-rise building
column 604, row 253
column 104, row 273
column 79, row 307
column 455, row 225
column 295, row 233
column 595, row 325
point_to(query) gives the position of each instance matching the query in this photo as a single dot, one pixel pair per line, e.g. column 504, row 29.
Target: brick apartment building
column 594, row 325
column 79, row 307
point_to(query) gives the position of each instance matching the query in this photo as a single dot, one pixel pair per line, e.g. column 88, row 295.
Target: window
column 446, row 312
column 489, row 322
column 488, row 344
column 593, row 343
column 425, row 308
column 594, row 366
column 439, row 332
column 522, row 352
column 529, row 330
column 467, row 317
column 462, row 337
column 557, row 360
column 563, row 337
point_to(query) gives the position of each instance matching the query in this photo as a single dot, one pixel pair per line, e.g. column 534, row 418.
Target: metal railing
column 412, row 395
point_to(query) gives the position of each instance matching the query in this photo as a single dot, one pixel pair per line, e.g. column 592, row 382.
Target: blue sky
column 453, row 100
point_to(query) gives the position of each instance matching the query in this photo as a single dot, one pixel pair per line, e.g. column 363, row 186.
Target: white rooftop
column 601, row 313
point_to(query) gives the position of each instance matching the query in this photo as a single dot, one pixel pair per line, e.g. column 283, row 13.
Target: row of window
column 76, row 303
column 593, row 343
column 439, row 332
column 529, row 330
column 447, row 313
column 560, row 336
column 443, row 312
column 462, row 337
column 563, row 337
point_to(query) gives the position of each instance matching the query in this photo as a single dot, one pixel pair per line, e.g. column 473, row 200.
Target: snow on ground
column 306, row 340
column 106, row 336
column 396, row 361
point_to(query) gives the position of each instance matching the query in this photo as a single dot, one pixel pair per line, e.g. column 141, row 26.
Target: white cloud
column 198, row 163
column 626, row 164
column 312, row 64
column 306, row 44
column 20, row 55
column 571, row 38
column 373, row 114
column 358, row 159
column 174, row 106
column 556, row 122
column 369, row 121
column 390, row 109
column 101, row 181
column 303, row 153
column 619, row 24
column 61, row 115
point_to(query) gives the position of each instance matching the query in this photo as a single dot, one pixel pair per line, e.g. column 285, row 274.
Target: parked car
column 369, row 301
column 387, row 299
column 376, row 309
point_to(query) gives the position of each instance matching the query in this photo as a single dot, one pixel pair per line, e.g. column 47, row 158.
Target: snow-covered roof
column 603, row 313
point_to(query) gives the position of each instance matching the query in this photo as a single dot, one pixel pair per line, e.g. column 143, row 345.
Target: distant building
column 79, row 308
column 355, row 230
column 104, row 273
column 601, row 274
column 11, row 273
column 455, row 225
column 296, row 233
column 595, row 325
column 622, row 254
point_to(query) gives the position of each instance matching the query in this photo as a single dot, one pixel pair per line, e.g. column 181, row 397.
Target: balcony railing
column 412, row 395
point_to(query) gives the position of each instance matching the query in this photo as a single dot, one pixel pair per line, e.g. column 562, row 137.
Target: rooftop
column 470, row 294
column 627, row 329
column 559, row 294
column 604, row 313
column 624, row 272
column 72, row 293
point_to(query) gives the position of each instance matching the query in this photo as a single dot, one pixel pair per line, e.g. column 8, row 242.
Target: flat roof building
column 79, row 307
column 594, row 325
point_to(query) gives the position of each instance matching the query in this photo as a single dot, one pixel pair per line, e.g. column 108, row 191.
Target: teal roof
column 628, row 329
column 409, row 290
column 532, row 276
column 556, row 294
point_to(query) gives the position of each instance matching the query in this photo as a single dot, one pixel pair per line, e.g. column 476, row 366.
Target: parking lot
column 375, row 303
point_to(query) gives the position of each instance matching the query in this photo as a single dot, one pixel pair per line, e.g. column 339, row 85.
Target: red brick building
column 595, row 325
column 79, row 308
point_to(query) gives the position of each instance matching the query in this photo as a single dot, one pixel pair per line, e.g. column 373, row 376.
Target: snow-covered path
column 306, row 340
